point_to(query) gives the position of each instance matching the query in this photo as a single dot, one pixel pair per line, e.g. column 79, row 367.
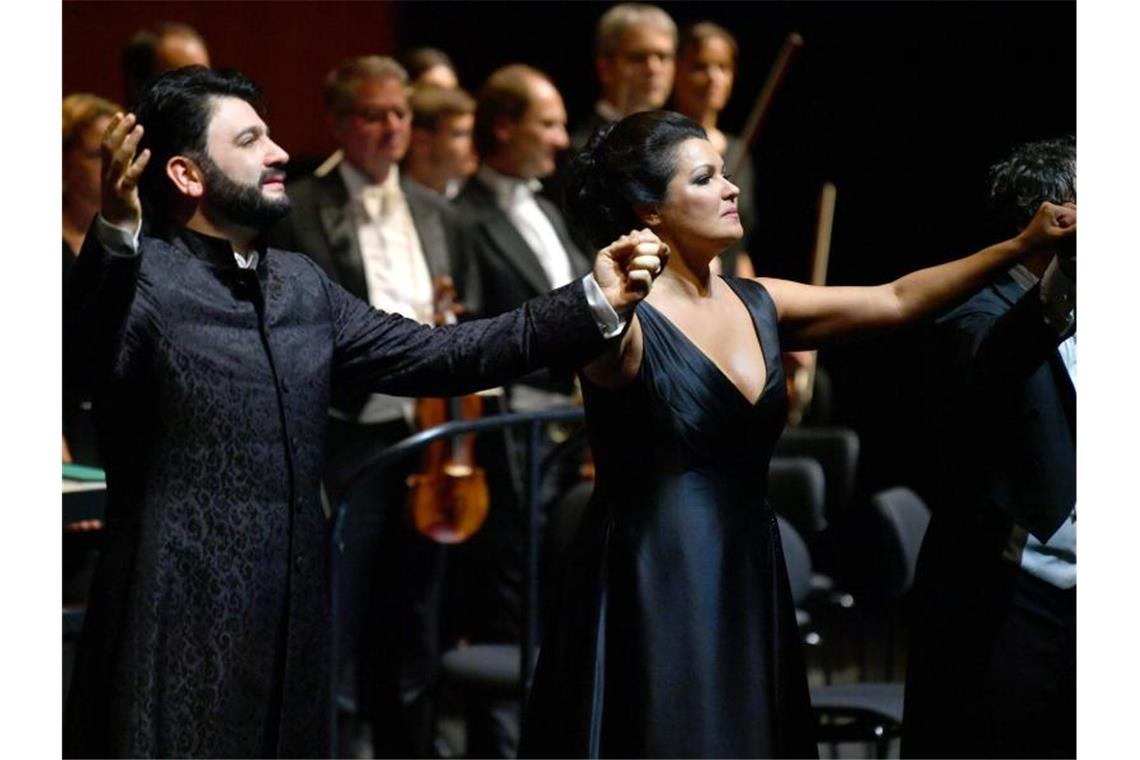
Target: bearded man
column 212, row 360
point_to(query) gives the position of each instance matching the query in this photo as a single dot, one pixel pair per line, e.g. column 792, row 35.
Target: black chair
column 837, row 451
column 498, row 671
column 796, row 489
column 901, row 518
column 493, row 670
column 83, row 500
column 484, row 673
column 873, row 711
column 798, row 562
column 904, row 517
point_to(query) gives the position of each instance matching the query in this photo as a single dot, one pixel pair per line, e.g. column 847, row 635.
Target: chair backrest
column 903, row 517
column 796, row 488
column 797, row 559
column 837, row 451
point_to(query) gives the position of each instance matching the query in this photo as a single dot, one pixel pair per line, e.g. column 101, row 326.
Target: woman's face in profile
column 700, row 202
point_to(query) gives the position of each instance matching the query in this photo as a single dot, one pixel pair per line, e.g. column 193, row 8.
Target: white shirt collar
column 244, row 262
column 508, row 191
column 607, row 110
column 356, row 181
column 1023, row 277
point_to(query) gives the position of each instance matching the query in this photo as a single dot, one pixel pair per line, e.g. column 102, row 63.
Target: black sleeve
column 101, row 315
column 985, row 351
column 386, row 353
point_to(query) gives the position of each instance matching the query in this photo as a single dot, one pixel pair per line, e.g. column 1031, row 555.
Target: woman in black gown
column 676, row 634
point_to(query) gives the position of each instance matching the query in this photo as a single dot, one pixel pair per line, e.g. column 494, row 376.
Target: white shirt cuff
column 1059, row 297
column 116, row 239
column 609, row 321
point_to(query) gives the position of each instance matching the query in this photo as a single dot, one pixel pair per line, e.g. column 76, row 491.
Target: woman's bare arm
column 810, row 315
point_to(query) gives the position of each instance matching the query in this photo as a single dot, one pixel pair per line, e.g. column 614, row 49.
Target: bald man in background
column 159, row 48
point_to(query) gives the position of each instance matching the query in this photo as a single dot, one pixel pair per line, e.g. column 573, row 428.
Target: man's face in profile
column 244, row 170
column 374, row 135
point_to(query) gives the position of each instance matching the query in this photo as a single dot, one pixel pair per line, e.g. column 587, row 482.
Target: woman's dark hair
column 625, row 162
column 694, row 35
column 175, row 113
column 1032, row 174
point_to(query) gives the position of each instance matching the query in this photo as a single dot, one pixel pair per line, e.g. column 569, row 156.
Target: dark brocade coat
column 208, row 628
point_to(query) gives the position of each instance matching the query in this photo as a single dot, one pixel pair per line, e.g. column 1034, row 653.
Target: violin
column 792, row 45
column 800, row 374
column 448, row 499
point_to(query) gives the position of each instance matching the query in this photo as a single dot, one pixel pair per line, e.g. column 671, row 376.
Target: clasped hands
column 1054, row 227
column 625, row 269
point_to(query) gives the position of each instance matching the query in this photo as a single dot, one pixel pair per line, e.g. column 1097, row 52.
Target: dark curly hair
column 625, row 162
column 1033, row 173
column 175, row 112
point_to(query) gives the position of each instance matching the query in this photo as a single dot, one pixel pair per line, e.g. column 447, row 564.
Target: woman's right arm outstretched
column 810, row 315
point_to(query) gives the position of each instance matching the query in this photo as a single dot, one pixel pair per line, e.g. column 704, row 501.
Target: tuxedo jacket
column 586, row 128
column 1007, row 455
column 1008, row 410
column 321, row 225
column 508, row 269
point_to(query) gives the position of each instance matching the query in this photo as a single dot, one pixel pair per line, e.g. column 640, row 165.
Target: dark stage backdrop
column 902, row 104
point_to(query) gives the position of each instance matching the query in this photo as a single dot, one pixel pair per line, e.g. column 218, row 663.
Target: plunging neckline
column 708, row 359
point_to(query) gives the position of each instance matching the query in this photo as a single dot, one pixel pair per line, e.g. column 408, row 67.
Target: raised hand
column 1067, row 250
column 625, row 269
column 121, row 172
column 1053, row 227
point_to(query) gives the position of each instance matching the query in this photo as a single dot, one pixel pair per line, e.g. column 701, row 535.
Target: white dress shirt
column 516, row 198
column 395, row 271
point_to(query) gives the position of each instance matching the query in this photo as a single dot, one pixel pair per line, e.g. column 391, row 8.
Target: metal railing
column 533, row 422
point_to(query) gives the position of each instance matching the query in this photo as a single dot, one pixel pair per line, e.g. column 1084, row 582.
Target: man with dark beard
column 213, row 360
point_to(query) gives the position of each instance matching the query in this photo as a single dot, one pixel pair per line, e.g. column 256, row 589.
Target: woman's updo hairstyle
column 625, row 162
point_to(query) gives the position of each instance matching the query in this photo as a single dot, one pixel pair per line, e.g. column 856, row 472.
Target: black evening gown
column 676, row 633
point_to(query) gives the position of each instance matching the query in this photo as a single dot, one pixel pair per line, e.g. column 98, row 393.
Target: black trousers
column 1000, row 679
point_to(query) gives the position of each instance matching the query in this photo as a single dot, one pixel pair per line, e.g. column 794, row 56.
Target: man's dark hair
column 694, row 35
column 432, row 104
column 139, row 56
column 1032, row 174
column 418, row 60
column 175, row 113
column 626, row 162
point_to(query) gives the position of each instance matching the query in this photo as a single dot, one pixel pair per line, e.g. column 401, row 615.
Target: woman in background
column 85, row 118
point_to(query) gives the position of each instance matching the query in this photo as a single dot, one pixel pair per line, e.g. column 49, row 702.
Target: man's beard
column 239, row 204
